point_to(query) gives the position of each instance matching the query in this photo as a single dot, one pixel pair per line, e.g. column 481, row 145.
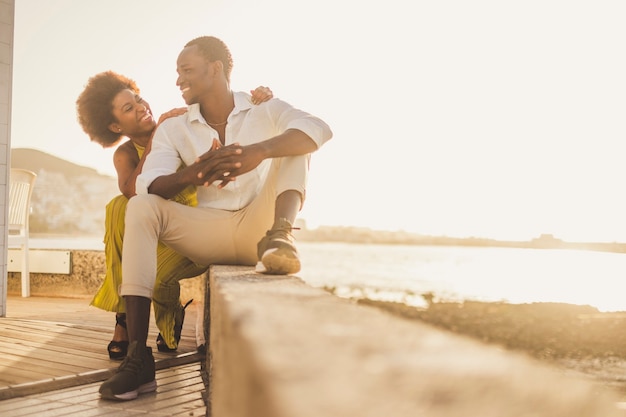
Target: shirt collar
column 193, row 113
column 242, row 103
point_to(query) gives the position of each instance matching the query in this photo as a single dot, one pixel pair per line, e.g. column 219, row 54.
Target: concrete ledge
column 280, row 348
column 86, row 275
column 46, row 261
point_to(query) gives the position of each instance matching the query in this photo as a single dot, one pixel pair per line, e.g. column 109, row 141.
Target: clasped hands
column 224, row 163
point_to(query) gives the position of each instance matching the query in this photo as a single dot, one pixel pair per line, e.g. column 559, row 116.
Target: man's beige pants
column 204, row 235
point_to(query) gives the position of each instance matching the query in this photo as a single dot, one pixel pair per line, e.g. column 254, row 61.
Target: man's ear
column 217, row 67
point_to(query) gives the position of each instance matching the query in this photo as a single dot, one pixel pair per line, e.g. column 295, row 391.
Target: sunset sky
column 483, row 118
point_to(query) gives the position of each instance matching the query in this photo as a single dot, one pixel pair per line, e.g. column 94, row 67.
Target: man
column 250, row 165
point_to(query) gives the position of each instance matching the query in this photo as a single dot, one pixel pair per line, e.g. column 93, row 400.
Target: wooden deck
column 51, row 344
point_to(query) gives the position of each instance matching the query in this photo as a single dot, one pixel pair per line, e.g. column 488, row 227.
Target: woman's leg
column 170, row 268
column 168, row 311
column 107, row 297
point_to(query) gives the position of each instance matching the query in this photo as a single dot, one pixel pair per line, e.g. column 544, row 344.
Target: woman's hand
column 172, row 113
column 261, row 94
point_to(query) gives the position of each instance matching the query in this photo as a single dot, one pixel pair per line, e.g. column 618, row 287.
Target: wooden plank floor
column 48, row 344
column 180, row 392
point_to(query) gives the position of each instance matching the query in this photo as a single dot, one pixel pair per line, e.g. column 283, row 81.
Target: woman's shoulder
column 127, row 148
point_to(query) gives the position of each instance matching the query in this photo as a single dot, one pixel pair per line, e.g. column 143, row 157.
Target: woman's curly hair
column 94, row 106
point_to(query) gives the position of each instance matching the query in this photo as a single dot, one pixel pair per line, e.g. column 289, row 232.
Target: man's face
column 194, row 75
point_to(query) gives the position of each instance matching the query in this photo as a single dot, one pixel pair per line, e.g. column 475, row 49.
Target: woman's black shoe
column 178, row 329
column 118, row 349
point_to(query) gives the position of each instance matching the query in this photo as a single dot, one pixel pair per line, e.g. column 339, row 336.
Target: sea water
column 404, row 273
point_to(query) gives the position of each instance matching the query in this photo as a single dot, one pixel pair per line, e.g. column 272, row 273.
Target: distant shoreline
column 359, row 236
column 365, row 236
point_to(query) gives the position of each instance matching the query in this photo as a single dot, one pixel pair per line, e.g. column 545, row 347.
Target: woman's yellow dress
column 171, row 267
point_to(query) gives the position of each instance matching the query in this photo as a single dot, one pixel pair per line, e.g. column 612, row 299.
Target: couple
column 248, row 164
column 109, row 108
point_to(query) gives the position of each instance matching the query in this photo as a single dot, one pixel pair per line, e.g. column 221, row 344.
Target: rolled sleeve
column 142, row 184
column 146, row 178
column 162, row 160
column 291, row 118
column 315, row 128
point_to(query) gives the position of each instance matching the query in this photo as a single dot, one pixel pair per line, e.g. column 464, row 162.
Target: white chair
column 20, row 192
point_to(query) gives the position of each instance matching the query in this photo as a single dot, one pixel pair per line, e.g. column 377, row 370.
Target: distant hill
column 68, row 199
column 35, row 161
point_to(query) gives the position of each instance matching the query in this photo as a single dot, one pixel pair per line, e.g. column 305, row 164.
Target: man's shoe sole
column 130, row 395
column 278, row 261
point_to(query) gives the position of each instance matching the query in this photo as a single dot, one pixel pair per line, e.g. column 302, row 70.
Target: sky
column 492, row 119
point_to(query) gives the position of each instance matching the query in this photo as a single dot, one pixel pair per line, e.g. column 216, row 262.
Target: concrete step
column 280, row 348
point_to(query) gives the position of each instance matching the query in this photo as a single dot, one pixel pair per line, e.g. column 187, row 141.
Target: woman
column 108, row 109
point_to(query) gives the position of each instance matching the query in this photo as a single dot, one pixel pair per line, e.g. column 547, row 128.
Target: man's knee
column 142, row 205
column 292, row 174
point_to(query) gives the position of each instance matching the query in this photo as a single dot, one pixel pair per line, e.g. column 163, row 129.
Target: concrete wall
column 87, row 271
column 88, row 268
column 279, row 348
column 7, row 8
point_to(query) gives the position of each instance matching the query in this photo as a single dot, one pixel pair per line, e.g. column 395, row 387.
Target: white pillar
column 7, row 12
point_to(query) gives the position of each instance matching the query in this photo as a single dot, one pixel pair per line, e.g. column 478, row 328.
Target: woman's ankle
column 120, row 333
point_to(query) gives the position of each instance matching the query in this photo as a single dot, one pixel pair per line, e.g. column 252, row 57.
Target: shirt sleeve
column 163, row 159
column 291, row 118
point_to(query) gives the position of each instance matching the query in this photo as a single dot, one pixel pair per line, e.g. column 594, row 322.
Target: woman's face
column 132, row 114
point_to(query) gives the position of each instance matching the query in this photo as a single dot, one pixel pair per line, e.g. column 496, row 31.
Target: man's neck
column 216, row 107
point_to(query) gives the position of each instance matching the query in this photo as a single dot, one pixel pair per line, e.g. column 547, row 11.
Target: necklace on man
column 225, row 121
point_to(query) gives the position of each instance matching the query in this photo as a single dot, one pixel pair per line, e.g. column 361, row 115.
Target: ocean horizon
column 404, row 273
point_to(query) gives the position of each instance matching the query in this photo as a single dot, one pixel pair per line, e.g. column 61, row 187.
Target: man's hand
column 215, row 164
column 226, row 163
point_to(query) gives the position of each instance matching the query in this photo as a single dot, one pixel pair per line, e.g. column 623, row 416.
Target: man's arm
column 234, row 160
column 167, row 186
column 290, row 143
column 163, row 160
column 220, row 163
column 301, row 134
